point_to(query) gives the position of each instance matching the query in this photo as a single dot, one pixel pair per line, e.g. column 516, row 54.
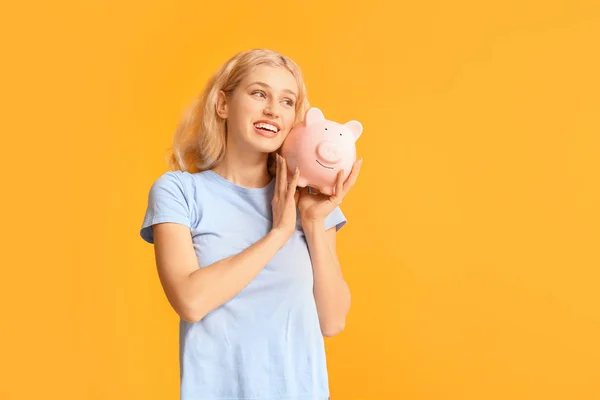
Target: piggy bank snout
column 329, row 152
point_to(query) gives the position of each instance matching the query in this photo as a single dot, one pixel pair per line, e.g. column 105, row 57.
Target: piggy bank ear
column 355, row 127
column 314, row 115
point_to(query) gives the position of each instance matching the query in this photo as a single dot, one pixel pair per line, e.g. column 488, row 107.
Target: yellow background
column 473, row 243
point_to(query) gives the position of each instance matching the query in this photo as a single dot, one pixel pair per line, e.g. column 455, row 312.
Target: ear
column 314, row 115
column 221, row 106
column 355, row 127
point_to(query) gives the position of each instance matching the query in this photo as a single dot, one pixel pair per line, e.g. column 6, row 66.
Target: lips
column 265, row 133
column 269, row 122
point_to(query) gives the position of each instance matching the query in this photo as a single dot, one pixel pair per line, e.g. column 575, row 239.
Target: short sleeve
column 335, row 218
column 167, row 202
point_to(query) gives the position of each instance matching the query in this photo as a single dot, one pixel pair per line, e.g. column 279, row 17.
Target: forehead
column 278, row 78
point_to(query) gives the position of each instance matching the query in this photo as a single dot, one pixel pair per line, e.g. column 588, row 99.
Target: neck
column 244, row 168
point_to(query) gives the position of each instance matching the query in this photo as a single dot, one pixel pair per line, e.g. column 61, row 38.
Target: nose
column 328, row 152
column 271, row 110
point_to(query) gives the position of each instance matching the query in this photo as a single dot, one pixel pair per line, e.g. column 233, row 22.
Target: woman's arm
column 331, row 292
column 193, row 292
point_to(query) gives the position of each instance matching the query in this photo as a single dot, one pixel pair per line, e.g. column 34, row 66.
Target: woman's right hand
column 285, row 199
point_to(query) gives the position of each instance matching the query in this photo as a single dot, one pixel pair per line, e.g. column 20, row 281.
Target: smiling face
column 261, row 110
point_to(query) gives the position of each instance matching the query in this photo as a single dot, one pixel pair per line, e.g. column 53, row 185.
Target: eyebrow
column 269, row 87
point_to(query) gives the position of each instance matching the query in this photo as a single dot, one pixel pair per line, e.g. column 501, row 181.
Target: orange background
column 473, row 244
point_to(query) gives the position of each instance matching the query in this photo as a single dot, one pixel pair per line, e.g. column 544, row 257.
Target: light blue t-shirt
column 266, row 342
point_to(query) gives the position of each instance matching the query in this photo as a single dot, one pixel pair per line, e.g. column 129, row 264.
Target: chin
column 265, row 144
column 267, row 147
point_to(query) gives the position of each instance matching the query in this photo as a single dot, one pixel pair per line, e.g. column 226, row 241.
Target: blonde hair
column 200, row 138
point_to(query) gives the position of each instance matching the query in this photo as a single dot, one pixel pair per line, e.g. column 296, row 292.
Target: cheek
column 244, row 109
column 290, row 117
column 248, row 111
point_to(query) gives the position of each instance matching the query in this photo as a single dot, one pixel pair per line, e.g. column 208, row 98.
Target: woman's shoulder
column 176, row 178
column 183, row 176
column 176, row 184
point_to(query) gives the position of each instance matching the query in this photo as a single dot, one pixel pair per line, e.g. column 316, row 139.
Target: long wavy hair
column 200, row 137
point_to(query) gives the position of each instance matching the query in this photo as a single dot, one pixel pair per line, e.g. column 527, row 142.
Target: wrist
column 279, row 235
column 312, row 224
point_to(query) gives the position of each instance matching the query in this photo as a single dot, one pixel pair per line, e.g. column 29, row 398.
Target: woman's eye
column 289, row 102
column 258, row 92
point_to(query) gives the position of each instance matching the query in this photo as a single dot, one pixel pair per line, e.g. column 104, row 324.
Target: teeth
column 266, row 126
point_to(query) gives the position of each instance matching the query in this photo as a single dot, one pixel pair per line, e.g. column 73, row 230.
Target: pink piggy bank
column 320, row 148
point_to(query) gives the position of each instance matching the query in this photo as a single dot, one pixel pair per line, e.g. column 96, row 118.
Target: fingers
column 353, row 175
column 341, row 187
column 339, row 183
column 284, row 178
column 281, row 182
column 291, row 190
column 277, row 177
column 283, row 188
column 338, row 192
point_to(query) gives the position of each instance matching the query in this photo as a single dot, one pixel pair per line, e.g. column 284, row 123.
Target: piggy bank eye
column 340, row 134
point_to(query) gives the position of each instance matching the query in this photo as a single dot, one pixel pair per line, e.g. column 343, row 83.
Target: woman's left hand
column 316, row 207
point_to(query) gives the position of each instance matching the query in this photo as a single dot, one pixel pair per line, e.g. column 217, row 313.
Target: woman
column 247, row 260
